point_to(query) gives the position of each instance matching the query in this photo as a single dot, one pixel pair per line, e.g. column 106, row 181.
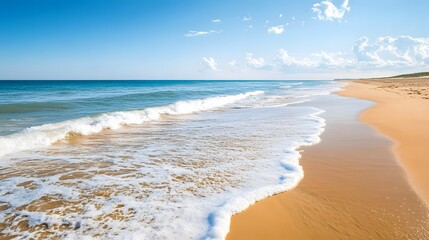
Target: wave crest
column 47, row 134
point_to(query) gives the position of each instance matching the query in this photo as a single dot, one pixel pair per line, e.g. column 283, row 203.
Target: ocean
column 148, row 159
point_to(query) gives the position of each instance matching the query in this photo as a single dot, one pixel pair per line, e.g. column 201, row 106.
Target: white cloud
column 385, row 53
column 382, row 56
column 196, row 33
column 326, row 10
column 276, row 29
column 233, row 63
column 284, row 59
column 245, row 19
column 392, row 51
column 281, row 15
column 317, row 60
column 254, row 62
column 210, row 63
column 216, row 21
column 332, row 60
column 199, row 33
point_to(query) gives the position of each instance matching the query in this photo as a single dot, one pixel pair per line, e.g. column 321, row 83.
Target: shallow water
column 181, row 164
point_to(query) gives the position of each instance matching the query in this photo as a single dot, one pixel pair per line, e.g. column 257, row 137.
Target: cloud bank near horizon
column 385, row 52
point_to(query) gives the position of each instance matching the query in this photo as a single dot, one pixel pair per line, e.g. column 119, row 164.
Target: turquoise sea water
column 30, row 103
column 148, row 159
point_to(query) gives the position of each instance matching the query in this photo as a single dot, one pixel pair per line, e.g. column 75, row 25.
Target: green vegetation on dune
column 420, row 74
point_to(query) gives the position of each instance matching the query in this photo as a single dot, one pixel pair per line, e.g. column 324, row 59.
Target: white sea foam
column 184, row 179
column 184, row 208
column 291, row 176
column 47, row 134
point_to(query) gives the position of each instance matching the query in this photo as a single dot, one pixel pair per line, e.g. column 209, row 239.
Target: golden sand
column 353, row 186
column 402, row 114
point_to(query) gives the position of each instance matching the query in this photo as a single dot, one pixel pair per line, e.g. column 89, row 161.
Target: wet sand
column 402, row 114
column 353, row 188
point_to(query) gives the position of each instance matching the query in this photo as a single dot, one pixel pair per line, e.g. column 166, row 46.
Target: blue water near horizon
column 26, row 103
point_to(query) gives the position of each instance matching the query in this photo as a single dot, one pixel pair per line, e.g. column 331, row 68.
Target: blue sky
column 212, row 39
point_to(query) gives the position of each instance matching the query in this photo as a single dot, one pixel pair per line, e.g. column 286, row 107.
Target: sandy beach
column 355, row 186
column 402, row 114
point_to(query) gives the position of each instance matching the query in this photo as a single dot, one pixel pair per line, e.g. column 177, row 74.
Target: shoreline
column 405, row 103
column 343, row 194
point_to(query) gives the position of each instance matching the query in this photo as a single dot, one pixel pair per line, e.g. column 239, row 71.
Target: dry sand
column 353, row 186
